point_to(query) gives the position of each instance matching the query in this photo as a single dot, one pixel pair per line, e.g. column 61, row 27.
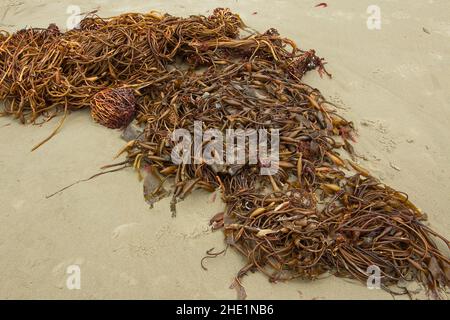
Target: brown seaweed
column 321, row 212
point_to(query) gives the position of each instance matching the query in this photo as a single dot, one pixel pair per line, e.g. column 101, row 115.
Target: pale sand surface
column 393, row 83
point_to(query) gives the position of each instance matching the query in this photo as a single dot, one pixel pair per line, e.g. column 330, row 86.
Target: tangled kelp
column 113, row 108
column 41, row 69
column 319, row 213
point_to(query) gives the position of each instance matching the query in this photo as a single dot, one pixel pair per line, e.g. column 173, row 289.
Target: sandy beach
column 391, row 82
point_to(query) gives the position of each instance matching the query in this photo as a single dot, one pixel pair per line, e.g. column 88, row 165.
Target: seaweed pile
column 321, row 212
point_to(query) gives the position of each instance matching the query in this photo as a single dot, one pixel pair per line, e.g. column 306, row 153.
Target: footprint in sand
column 123, row 229
column 18, row 204
column 132, row 240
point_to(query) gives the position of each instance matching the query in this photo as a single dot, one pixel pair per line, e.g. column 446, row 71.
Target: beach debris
column 118, row 167
column 321, row 5
column 113, row 108
column 211, row 254
column 132, row 132
column 319, row 213
column 216, row 221
column 153, row 186
column 395, row 167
